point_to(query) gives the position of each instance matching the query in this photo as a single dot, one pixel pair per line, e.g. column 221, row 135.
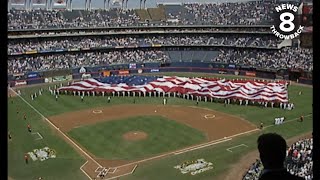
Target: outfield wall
column 31, row 78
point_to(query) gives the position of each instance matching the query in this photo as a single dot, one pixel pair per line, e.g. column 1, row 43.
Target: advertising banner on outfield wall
column 48, row 80
column 85, row 76
column 154, row 70
column 123, row 72
column 62, row 78
column 232, row 66
column 32, row 75
column 106, row 73
column 20, row 83
column 249, row 73
column 132, row 66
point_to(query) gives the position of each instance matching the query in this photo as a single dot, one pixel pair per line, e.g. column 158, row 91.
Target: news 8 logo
column 286, row 22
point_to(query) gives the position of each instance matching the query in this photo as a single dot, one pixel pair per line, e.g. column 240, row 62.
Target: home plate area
column 113, row 173
column 102, row 172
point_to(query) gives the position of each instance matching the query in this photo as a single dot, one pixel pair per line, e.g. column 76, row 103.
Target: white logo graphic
column 286, row 29
column 82, row 70
column 194, row 167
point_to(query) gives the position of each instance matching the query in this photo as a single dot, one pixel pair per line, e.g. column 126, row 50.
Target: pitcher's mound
column 135, row 136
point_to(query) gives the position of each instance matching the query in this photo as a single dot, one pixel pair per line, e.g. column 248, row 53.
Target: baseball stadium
column 155, row 89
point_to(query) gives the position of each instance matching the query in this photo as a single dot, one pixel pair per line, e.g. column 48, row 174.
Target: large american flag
column 205, row 87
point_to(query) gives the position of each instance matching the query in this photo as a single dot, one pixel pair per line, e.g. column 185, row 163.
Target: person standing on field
column 81, row 98
column 261, row 125
column 301, row 118
column 109, row 99
column 9, row 136
column 29, row 128
column 26, row 158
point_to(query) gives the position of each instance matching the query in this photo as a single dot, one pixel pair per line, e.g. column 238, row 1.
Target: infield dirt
column 214, row 124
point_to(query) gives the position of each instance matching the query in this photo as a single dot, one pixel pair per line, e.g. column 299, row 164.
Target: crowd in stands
column 67, row 61
column 22, row 46
column 254, row 171
column 275, row 59
column 298, row 161
column 295, row 58
column 241, row 13
column 42, row 19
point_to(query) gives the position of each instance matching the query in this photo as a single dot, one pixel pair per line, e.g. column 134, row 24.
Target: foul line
column 200, row 147
column 58, row 130
column 291, row 120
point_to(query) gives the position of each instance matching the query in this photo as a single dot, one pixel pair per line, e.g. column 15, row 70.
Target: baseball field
column 138, row 138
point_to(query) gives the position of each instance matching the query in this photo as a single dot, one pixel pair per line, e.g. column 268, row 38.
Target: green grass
column 160, row 169
column 65, row 166
column 163, row 135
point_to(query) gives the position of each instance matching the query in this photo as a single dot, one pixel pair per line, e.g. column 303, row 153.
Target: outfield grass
column 217, row 154
column 163, row 136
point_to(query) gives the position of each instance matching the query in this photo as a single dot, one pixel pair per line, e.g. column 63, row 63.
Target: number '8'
column 287, row 21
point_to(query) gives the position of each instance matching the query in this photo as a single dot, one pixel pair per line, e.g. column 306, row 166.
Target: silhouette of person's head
column 272, row 148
